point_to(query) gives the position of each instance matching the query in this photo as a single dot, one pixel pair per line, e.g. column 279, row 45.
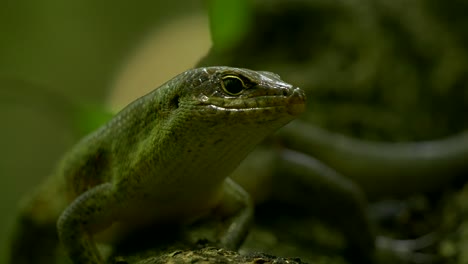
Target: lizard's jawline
column 293, row 109
column 293, row 104
column 242, row 109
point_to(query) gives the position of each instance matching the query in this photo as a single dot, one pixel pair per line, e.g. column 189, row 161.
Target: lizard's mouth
column 292, row 102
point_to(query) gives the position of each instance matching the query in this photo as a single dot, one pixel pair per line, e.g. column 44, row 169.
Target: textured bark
column 205, row 255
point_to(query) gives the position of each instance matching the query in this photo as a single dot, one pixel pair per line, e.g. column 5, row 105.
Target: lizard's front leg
column 289, row 177
column 90, row 212
column 236, row 201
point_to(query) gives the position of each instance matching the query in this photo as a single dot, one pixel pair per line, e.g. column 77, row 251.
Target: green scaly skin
column 165, row 158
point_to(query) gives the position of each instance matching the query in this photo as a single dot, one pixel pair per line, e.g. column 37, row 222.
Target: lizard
column 165, row 158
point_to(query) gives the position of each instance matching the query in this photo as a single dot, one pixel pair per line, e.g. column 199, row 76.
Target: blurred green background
column 61, row 60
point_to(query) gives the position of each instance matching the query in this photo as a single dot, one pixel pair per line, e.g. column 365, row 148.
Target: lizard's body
column 164, row 158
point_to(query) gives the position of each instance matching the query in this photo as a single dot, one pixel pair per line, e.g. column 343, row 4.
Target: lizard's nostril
column 285, row 92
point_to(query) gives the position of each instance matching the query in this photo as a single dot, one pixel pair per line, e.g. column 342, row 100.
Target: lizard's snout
column 297, row 100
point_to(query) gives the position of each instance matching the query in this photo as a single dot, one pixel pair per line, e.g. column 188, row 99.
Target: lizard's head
column 239, row 94
column 210, row 118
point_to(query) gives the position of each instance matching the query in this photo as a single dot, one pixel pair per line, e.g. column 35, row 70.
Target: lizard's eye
column 232, row 85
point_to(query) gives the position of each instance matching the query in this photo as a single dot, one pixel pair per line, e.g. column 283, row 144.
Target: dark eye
column 232, row 85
